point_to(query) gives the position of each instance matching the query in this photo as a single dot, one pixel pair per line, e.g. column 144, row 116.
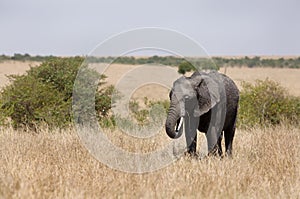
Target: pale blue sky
column 227, row 27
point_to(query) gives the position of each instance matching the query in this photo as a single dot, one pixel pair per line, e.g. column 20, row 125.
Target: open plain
column 55, row 164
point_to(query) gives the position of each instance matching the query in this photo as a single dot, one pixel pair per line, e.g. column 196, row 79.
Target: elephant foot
column 228, row 154
column 192, row 155
column 215, row 152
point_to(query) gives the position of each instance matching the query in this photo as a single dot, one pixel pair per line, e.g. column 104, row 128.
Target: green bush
column 266, row 103
column 185, row 67
column 151, row 111
column 44, row 94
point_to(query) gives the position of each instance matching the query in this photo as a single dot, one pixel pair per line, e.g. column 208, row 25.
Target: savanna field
column 53, row 163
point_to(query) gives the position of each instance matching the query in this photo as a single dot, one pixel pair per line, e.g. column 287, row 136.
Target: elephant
column 207, row 101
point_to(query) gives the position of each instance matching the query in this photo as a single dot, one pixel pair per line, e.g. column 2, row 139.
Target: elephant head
column 190, row 97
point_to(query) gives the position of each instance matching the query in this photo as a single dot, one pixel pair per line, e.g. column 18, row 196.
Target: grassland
column 54, row 164
column 265, row 164
column 287, row 77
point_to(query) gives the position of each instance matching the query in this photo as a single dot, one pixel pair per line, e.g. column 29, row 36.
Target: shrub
column 44, row 94
column 185, row 67
column 151, row 112
column 267, row 103
column 28, row 100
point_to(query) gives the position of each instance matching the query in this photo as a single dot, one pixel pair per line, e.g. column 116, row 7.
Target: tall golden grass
column 54, row 164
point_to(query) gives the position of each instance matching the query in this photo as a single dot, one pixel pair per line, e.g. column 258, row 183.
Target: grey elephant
column 207, row 102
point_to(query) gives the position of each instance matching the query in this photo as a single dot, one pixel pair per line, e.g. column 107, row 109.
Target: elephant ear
column 208, row 93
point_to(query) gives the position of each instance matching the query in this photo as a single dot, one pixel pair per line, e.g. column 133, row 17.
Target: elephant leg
column 220, row 152
column 193, row 146
column 213, row 141
column 214, row 134
column 229, row 134
column 191, row 125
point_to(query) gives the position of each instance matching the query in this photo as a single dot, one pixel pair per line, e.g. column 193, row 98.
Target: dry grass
column 13, row 68
column 287, row 77
column 266, row 162
column 55, row 165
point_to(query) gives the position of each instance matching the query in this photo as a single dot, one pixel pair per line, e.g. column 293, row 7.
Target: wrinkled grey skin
column 207, row 102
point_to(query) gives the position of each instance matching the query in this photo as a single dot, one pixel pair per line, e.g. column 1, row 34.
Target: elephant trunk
column 174, row 123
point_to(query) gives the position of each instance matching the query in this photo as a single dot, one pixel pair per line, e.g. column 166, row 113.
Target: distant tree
column 185, row 67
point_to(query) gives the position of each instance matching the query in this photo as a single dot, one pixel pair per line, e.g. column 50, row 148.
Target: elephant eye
column 186, row 97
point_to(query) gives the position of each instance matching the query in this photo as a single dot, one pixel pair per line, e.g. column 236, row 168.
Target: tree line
column 205, row 63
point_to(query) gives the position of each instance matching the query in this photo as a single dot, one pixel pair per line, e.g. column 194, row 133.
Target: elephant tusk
column 179, row 125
